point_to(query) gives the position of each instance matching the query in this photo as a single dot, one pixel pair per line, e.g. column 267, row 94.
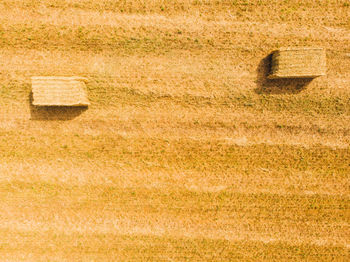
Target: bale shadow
column 277, row 86
column 52, row 113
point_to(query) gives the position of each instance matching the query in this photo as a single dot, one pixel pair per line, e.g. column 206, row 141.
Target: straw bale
column 298, row 63
column 59, row 91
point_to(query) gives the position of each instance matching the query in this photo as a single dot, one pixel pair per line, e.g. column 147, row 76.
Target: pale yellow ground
column 187, row 152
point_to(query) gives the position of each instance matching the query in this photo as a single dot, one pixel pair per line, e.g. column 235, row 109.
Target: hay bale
column 304, row 62
column 59, row 91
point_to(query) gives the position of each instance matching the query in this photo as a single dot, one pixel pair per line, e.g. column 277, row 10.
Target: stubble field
column 187, row 152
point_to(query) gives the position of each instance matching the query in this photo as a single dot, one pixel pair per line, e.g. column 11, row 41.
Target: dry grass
column 187, row 152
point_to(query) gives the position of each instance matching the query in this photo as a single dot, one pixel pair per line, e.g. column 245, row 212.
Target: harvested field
column 188, row 151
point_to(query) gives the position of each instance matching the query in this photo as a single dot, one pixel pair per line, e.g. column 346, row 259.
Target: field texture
column 187, row 152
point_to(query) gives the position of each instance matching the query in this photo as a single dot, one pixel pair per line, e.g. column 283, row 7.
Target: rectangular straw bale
column 59, row 91
column 298, row 63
